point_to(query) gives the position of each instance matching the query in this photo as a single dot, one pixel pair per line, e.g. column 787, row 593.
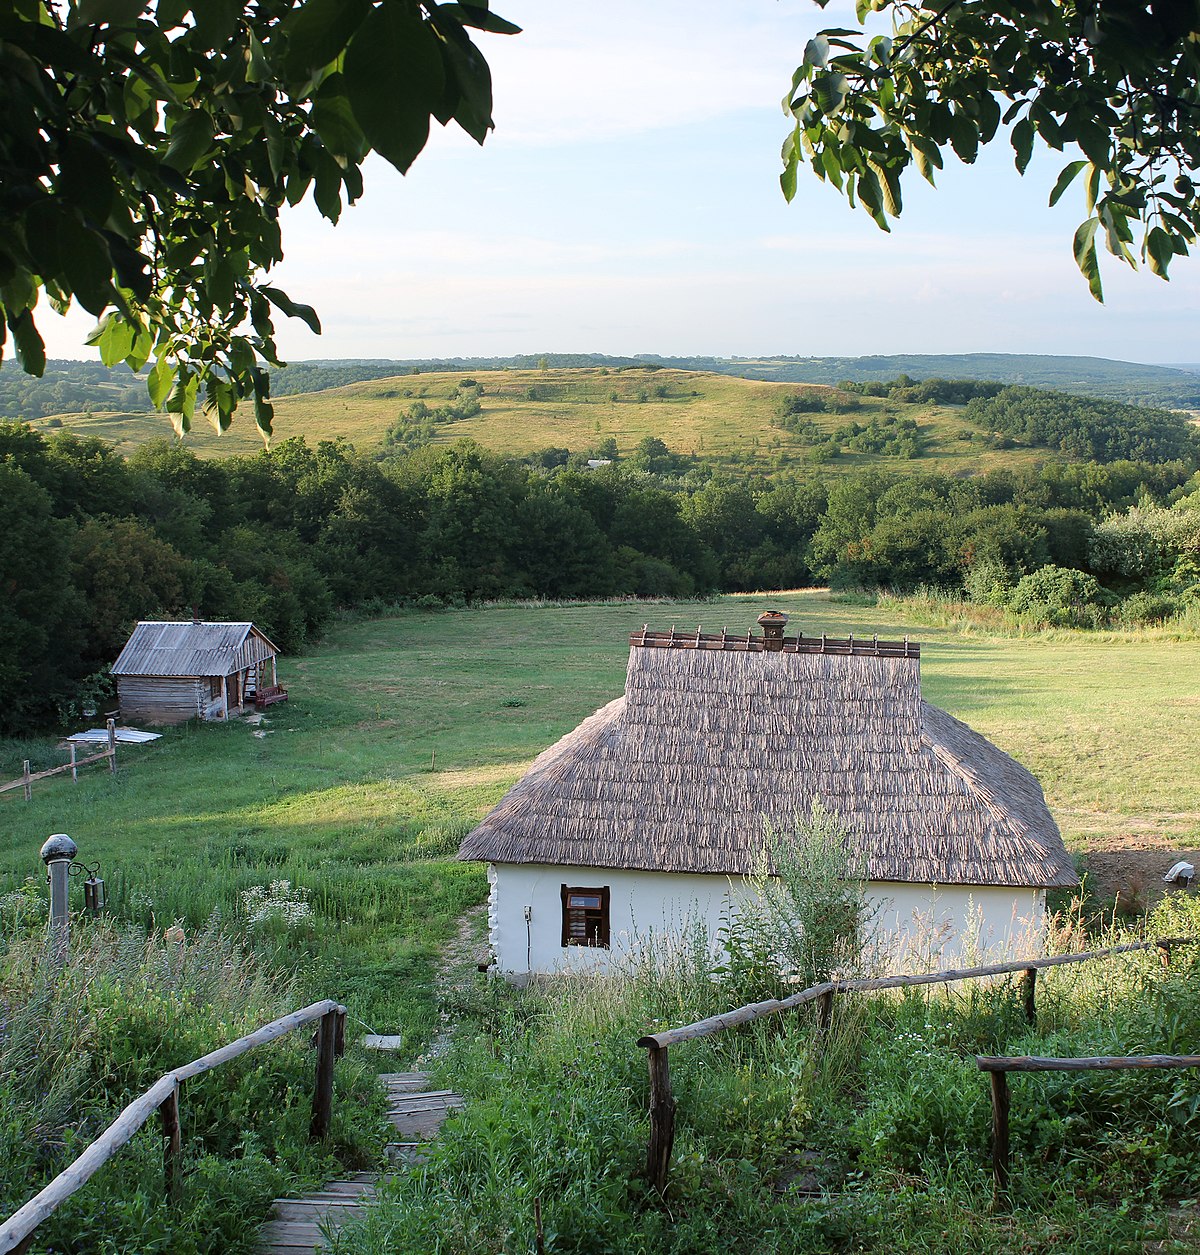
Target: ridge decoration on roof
column 718, row 734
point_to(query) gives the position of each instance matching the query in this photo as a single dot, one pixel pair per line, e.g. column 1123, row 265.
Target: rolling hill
column 723, row 419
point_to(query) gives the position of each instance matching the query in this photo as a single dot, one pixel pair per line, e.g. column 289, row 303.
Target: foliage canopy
column 148, row 149
column 1115, row 80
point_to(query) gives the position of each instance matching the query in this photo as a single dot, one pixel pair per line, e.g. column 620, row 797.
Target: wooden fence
column 16, row 1233
column 27, row 777
column 999, row 1068
column 662, row 1101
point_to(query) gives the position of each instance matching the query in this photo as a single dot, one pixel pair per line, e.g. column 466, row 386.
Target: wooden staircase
column 299, row 1225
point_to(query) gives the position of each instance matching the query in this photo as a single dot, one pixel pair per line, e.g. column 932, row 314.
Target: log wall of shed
column 162, row 699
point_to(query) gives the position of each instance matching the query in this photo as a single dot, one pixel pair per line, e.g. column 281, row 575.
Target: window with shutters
column 585, row 916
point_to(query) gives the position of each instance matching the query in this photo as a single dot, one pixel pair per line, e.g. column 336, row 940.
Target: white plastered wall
column 924, row 926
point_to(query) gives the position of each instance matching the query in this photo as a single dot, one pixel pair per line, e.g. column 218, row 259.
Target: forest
column 90, row 542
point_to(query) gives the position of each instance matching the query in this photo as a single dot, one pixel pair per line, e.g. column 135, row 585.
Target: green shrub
column 1058, row 597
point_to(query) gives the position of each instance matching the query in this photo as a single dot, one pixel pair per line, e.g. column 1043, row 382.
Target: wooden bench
column 269, row 696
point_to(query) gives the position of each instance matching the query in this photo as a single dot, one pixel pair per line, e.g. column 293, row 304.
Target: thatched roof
column 714, row 734
column 193, row 648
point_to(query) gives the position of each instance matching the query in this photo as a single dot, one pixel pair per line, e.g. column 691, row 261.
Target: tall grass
column 79, row 1043
column 948, row 608
column 872, row 1137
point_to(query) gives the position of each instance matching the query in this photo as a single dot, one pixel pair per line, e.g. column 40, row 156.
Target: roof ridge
column 645, row 638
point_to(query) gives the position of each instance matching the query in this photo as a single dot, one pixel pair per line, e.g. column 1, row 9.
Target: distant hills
column 1132, row 382
column 72, row 388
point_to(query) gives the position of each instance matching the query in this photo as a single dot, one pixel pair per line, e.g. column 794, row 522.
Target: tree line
column 90, row 541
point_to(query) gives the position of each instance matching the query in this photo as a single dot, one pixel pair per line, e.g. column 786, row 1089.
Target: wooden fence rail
column 28, row 777
column 1000, row 1067
column 662, row 1101
column 16, row 1233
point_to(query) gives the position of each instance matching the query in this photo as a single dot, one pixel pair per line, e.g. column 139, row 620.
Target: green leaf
column 477, row 15
column 87, row 269
column 318, row 32
column 114, row 337
column 160, row 381
column 469, row 83
column 1086, row 256
column 181, row 404
column 1092, row 190
column 292, row 309
column 31, row 352
column 831, row 165
column 889, row 186
column 787, row 178
column 830, row 90
column 1065, row 178
column 191, row 140
column 264, row 411
column 395, row 80
column 964, row 137
column 926, row 155
column 816, row 52
column 1160, row 249
column 334, row 120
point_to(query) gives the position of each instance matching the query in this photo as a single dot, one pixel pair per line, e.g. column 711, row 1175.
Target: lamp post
column 57, row 854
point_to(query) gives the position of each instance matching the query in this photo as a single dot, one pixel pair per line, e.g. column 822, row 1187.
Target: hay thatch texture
column 706, row 744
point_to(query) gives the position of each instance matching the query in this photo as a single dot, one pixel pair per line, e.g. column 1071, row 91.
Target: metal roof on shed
column 192, row 649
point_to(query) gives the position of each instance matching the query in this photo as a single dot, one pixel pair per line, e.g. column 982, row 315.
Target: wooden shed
column 172, row 672
column 651, row 814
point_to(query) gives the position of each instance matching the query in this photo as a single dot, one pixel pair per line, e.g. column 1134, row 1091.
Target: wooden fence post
column 327, row 1035
column 1029, row 983
column 825, row 1012
column 1164, row 953
column 662, row 1118
column 74, row 769
column 112, row 745
column 25, row 778
column 999, row 1134
column 172, row 1144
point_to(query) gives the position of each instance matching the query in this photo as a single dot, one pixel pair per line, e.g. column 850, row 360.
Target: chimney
column 195, row 615
column 772, row 623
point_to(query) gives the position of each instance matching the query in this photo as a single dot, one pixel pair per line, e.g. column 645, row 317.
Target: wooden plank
column 327, row 1036
column 404, row 1078
column 26, row 1219
column 773, row 1006
column 999, row 1133
column 26, row 780
column 1102, row 1063
column 662, row 1119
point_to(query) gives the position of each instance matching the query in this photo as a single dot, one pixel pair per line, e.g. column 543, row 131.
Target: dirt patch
column 1132, row 876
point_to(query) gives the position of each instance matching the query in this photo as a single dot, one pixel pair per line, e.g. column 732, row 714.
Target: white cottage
column 651, row 813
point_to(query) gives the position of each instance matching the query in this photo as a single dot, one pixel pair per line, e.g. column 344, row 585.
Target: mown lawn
column 337, row 794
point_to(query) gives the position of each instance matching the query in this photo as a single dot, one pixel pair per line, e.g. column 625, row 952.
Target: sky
column 628, row 202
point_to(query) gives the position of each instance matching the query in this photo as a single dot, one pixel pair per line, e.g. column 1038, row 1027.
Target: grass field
column 712, row 415
column 334, row 792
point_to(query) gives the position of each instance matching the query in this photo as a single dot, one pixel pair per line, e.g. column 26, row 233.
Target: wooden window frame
column 597, row 938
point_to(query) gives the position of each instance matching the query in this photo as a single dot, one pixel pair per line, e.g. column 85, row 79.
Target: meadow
column 713, row 416
column 399, row 734
column 403, row 730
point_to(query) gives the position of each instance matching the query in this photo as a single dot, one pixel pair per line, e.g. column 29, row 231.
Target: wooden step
column 417, row 1114
column 404, row 1080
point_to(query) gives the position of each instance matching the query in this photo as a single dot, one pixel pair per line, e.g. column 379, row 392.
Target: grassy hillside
column 715, row 416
